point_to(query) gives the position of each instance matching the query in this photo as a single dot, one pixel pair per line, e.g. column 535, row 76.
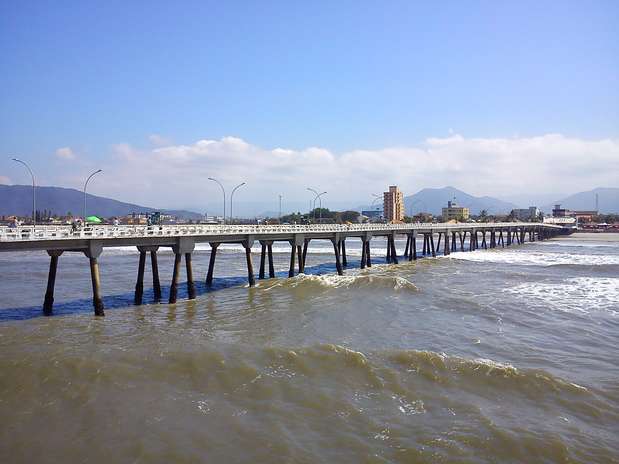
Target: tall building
column 455, row 212
column 526, row 214
column 393, row 204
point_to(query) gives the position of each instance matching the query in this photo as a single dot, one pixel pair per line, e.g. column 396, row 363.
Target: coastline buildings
column 580, row 216
column 393, row 204
column 455, row 212
column 526, row 214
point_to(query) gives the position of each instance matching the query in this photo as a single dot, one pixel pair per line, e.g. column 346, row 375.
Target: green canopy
column 94, row 219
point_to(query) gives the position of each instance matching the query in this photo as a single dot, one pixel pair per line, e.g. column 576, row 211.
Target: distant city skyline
column 495, row 99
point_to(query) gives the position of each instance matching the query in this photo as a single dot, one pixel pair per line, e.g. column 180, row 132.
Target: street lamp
column 86, row 185
column 34, row 193
column 280, row 207
column 224, row 193
column 313, row 202
column 319, row 197
column 232, row 195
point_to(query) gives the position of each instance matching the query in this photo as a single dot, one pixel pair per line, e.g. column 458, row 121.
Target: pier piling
column 48, row 303
column 174, row 283
column 191, row 288
column 250, row 267
column 155, row 271
column 270, row 253
column 263, row 247
column 139, row 285
column 211, row 264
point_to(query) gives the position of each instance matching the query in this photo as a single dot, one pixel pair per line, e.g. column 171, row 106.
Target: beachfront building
column 393, row 204
column 526, row 214
column 454, row 212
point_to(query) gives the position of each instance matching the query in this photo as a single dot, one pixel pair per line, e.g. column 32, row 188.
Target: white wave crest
column 580, row 294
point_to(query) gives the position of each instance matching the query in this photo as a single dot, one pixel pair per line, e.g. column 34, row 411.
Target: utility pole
column 34, row 191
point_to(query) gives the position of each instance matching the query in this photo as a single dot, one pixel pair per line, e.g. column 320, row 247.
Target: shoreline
column 590, row 237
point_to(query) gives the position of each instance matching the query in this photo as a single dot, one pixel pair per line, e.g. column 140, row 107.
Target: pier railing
column 47, row 232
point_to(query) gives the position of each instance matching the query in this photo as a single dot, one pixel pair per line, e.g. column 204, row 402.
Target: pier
column 91, row 241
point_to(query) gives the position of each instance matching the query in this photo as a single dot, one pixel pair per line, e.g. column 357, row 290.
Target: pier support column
column 250, row 267
column 305, row 245
column 368, row 254
column 139, row 285
column 270, row 253
column 484, row 245
column 432, row 244
column 191, row 288
column 446, row 246
column 263, row 251
column 174, row 283
column 462, row 238
column 344, row 259
column 394, row 253
column 300, row 258
column 336, row 250
column 406, row 248
column 425, row 244
column 471, row 240
column 292, row 255
column 388, row 256
column 438, row 243
column 48, row 303
column 155, row 271
column 211, row 264
column 363, row 251
column 413, row 252
column 453, row 241
column 93, row 252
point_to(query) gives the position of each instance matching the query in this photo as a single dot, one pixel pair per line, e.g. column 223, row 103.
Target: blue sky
column 342, row 76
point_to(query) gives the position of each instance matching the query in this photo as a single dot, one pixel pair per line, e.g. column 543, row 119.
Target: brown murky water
column 491, row 356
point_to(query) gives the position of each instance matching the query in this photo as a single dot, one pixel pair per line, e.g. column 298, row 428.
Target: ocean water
column 506, row 355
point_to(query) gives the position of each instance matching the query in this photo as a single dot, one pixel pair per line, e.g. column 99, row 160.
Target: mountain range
column 432, row 200
column 17, row 199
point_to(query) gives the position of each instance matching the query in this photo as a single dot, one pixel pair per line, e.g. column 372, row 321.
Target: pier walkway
column 91, row 241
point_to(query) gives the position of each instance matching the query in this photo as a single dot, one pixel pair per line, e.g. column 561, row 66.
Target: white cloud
column 4, row 180
column 65, row 153
column 177, row 175
column 158, row 140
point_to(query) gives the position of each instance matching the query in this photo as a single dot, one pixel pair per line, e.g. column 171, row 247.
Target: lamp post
column 319, row 197
column 224, row 193
column 232, row 195
column 86, row 185
column 280, row 208
column 313, row 202
column 34, row 193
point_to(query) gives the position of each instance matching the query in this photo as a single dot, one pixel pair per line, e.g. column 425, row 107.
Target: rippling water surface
column 492, row 356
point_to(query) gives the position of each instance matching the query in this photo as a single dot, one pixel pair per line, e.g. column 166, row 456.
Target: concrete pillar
column 174, row 283
column 344, row 259
column 155, row 270
column 368, row 254
column 263, row 250
column 270, row 253
column 462, row 238
column 211, row 264
column 438, row 243
column 446, row 245
column 300, row 258
column 305, row 245
column 363, row 251
column 93, row 252
column 432, row 244
column 408, row 241
column 413, row 246
column 250, row 267
column 338, row 264
column 394, row 253
column 292, row 253
column 191, row 288
column 139, row 285
column 48, row 303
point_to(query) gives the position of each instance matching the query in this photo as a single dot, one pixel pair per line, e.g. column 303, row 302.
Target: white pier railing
column 45, row 232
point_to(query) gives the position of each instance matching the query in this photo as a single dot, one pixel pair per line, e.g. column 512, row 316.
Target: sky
column 495, row 98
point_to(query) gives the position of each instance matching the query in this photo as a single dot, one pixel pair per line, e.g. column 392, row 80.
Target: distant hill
column 608, row 201
column 432, row 200
column 17, row 199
